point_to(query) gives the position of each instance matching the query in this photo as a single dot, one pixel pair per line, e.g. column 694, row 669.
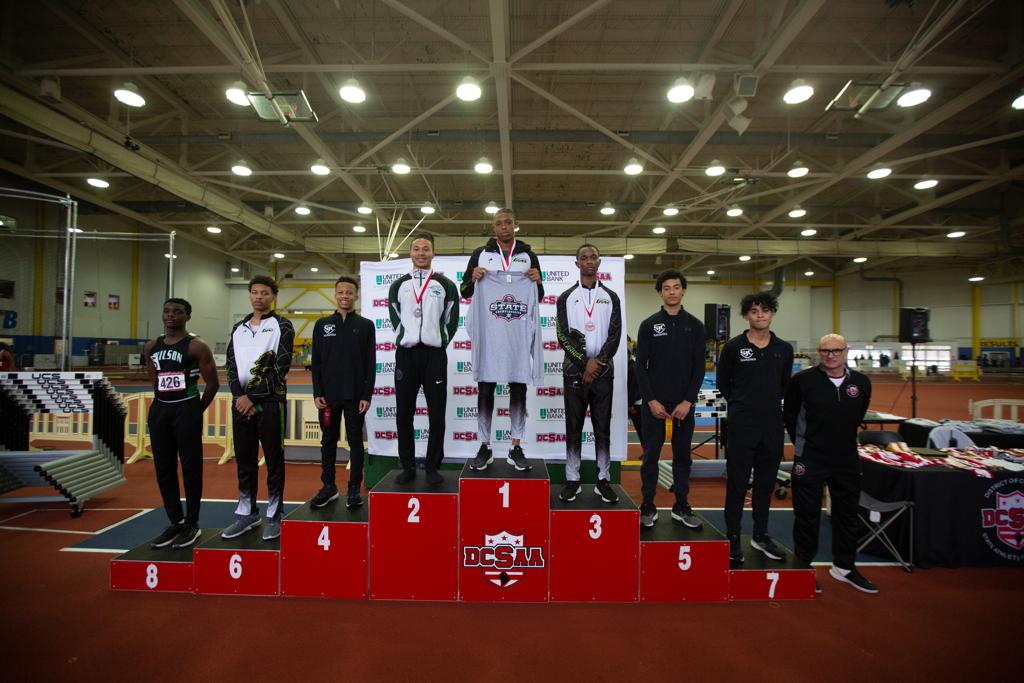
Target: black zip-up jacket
column 670, row 357
column 344, row 357
column 467, row 286
column 753, row 380
column 821, row 418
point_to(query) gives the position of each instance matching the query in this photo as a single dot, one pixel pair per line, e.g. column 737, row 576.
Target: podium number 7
column 773, row 578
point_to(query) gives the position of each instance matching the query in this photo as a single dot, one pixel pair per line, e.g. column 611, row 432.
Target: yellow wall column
column 134, row 310
column 975, row 321
column 835, row 305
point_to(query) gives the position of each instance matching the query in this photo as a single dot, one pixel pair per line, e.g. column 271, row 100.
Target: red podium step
column 760, row 578
column 414, row 539
column 324, row 551
column 246, row 565
column 594, row 548
column 679, row 564
column 503, row 532
column 159, row 570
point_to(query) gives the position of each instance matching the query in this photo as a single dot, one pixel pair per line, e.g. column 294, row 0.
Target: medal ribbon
column 590, row 311
column 419, row 297
column 506, row 263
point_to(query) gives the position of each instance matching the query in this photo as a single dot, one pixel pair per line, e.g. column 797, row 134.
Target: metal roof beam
column 502, row 89
column 439, row 30
column 560, row 28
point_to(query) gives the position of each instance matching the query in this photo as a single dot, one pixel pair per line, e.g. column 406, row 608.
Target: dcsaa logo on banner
column 545, row 425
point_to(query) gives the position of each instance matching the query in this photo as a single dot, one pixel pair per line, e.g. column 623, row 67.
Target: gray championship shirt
column 504, row 324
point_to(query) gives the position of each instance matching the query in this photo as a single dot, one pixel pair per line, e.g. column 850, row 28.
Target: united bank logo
column 387, row 279
column 1003, row 519
column 387, row 412
column 503, row 558
column 555, row 275
column 548, row 321
column 553, row 368
column 464, row 367
column 503, row 435
column 386, row 368
column 420, row 434
column 462, row 322
column 507, row 308
column 382, row 323
column 551, row 414
column 465, row 413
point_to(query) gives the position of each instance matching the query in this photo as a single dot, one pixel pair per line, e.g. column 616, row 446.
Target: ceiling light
column 633, row 167
column 358, row 228
column 809, row 232
column 394, row 254
column 165, row 255
column 670, row 211
column 955, row 234
column 364, row 209
column 1018, row 103
column 468, row 90
column 483, row 166
column 798, row 92
column 879, row 173
column 234, row 269
column 238, row 93
column 744, row 258
column 715, row 169
column 352, row 92
column 242, row 169
column 278, row 254
column 427, row 209
column 607, row 209
column 98, row 182
column 320, row 167
column 976, row 278
column 734, row 211
column 491, row 208
column 711, row 272
column 628, row 257
column 128, row 94
column 302, row 210
column 809, row 273
column 798, row 170
column 516, row 229
column 658, row 230
column 680, row 92
column 314, row 269
column 914, row 96
column 75, row 230
column 213, row 229
column 797, row 212
column 926, row 184
column 860, row 259
column 400, row 167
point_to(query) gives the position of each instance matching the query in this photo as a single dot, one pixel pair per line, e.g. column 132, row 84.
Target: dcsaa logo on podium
column 503, row 558
column 1004, row 523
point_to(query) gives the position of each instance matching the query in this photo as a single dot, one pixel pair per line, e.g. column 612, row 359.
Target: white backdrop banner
column 545, row 424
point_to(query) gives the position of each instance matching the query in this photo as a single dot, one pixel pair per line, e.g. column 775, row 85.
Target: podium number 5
column 773, row 577
column 595, row 531
column 503, row 490
column 414, row 511
column 685, row 559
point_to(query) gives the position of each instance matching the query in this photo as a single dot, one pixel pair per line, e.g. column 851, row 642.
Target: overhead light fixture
column 128, row 94
column 302, row 210
column 744, row 258
column 491, row 208
column 427, row 209
column 799, row 170
column 320, row 167
column 165, row 255
column 364, row 209
column 976, row 278
column 516, row 229
column 879, row 172
column 670, row 211
column 358, row 228
column 799, row 91
column 680, row 92
column 633, row 167
column 213, row 229
column 860, row 259
column 915, row 95
column 278, row 254
column 468, row 90
column 809, row 273
column 715, row 169
column 393, row 254
column 1018, row 102
column 711, row 272
column 98, row 182
column 314, row 269
column 75, row 230
column 734, row 211
column 658, row 230
column 797, row 212
column 238, row 93
column 809, row 232
column 242, row 169
column 955, row 234
column 352, row 92
column 926, row 184
column 483, row 166
column 607, row 209
column 628, row 257
column 234, row 269
column 401, row 167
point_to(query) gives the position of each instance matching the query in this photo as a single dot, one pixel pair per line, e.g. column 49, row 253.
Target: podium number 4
column 685, row 559
column 414, row 511
column 773, row 578
column 324, row 541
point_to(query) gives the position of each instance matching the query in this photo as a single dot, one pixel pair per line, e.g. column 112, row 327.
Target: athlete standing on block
column 589, row 329
column 424, row 310
column 344, row 364
column 259, row 357
column 752, row 374
column 174, row 361
column 504, row 256
column 669, row 370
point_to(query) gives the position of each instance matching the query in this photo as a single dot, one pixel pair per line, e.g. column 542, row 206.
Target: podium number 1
column 503, row 490
column 773, row 577
column 414, row 511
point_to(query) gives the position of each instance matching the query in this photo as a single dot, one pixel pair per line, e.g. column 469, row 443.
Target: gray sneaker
column 683, row 513
column 272, row 529
column 648, row 515
column 241, row 524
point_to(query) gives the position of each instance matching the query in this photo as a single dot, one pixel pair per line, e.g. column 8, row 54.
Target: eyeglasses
column 831, row 352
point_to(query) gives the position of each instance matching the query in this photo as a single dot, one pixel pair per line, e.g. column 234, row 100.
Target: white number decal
column 325, row 539
column 685, row 559
column 235, row 566
column 774, row 578
column 414, row 511
column 595, row 531
column 503, row 490
column 151, row 578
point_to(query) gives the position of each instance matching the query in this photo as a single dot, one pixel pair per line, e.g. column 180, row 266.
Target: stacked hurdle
column 77, row 475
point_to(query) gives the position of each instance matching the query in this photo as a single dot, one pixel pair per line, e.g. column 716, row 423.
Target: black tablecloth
column 917, row 435
column 957, row 522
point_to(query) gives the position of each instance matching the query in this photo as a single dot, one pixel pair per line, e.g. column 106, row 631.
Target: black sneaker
column 406, row 476
column 353, row 499
column 684, row 513
column 569, row 491
column 434, row 478
column 735, row 550
column 189, row 535
column 607, row 493
column 854, row 578
column 517, row 459
column 324, row 496
column 484, row 457
column 648, row 515
column 168, row 536
column 767, row 547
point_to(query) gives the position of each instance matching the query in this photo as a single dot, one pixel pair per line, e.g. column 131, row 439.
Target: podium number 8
column 414, row 511
column 685, row 559
column 235, row 566
column 151, row 578
column 773, row 577
column 595, row 531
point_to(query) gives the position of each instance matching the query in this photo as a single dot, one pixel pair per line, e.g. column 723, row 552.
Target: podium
column 761, row 578
column 324, row 552
column 594, row 548
column 414, row 539
column 156, row 570
column 246, row 565
column 680, row 564
column 503, row 533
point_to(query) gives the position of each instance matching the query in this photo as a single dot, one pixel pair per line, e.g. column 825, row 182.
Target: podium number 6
column 503, row 490
column 685, row 559
column 235, row 566
column 414, row 511
column 595, row 531
column 773, row 577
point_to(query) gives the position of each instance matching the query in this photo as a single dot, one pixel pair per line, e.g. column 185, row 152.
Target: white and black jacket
column 580, row 343
column 438, row 319
column 259, row 358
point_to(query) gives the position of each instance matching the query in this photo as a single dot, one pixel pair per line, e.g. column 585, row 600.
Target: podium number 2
column 595, row 531
column 151, row 578
column 414, row 511
column 325, row 539
column 235, row 566
column 772, row 577
column 685, row 559
column 503, row 490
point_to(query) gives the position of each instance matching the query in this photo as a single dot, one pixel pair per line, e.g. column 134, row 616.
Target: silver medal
column 418, row 312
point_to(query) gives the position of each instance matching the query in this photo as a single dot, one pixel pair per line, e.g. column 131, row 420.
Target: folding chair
column 876, row 527
column 948, row 437
column 877, row 437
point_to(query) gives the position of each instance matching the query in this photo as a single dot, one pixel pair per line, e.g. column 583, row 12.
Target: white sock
column 840, row 570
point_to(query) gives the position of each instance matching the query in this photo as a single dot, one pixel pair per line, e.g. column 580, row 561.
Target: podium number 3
column 503, row 490
column 772, row 577
column 414, row 511
column 595, row 531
